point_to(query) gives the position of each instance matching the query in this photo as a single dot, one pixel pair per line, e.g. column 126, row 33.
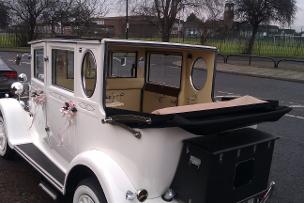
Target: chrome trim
column 51, row 193
column 266, row 194
column 130, row 195
column 137, row 134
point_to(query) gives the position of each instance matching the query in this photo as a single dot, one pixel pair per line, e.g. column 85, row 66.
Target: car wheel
column 5, row 151
column 89, row 191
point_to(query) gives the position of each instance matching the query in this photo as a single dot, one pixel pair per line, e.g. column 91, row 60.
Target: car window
column 39, row 64
column 63, row 68
column 89, row 72
column 165, row 69
column 199, row 73
column 122, row 65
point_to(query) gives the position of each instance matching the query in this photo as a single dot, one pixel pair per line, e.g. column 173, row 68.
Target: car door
column 60, row 100
column 37, row 89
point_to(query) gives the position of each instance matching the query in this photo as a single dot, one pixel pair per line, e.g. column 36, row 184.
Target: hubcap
column 3, row 139
column 85, row 199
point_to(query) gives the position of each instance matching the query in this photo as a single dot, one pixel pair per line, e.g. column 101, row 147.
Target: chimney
column 229, row 14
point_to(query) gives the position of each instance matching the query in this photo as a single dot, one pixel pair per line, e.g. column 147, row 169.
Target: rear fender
column 17, row 121
column 111, row 177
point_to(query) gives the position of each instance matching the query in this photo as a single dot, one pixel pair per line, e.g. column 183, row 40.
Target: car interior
column 146, row 79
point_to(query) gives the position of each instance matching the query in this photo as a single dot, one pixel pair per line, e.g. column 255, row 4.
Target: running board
column 42, row 164
column 48, row 190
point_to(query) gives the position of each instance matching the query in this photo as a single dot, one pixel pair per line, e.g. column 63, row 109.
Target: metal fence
column 268, row 52
column 271, row 62
column 8, row 40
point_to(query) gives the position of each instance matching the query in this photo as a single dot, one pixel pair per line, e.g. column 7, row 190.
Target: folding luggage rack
column 203, row 122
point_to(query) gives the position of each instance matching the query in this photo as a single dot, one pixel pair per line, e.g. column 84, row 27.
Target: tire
column 89, row 191
column 5, row 151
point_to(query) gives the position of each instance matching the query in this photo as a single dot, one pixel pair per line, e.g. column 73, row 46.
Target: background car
column 7, row 77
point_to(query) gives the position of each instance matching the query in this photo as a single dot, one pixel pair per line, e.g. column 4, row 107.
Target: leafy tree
column 256, row 12
column 4, row 16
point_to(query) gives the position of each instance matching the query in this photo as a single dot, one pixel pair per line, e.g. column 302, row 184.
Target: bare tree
column 256, row 12
column 4, row 16
column 28, row 12
column 58, row 13
column 208, row 14
column 84, row 11
column 166, row 12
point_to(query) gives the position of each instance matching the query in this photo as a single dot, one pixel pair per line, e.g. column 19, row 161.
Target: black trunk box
column 224, row 168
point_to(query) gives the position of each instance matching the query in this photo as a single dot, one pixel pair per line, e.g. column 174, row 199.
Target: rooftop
column 123, row 41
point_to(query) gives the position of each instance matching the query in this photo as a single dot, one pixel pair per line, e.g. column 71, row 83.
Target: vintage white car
column 119, row 121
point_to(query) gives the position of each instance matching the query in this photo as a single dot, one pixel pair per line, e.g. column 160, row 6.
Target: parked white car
column 118, row 121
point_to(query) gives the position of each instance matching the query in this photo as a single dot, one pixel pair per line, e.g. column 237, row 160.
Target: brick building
column 139, row 26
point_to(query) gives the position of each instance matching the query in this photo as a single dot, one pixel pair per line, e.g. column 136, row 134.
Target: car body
column 98, row 111
column 7, row 77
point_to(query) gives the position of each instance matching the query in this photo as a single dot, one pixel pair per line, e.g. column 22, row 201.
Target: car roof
column 159, row 44
column 126, row 42
column 67, row 40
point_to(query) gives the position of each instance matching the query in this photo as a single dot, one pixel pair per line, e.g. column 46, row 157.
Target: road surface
column 288, row 163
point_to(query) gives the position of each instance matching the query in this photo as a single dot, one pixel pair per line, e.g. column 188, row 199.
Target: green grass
column 261, row 48
column 15, row 49
column 8, row 41
column 284, row 49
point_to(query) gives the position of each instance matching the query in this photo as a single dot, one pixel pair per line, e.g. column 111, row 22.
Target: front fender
column 17, row 121
column 111, row 177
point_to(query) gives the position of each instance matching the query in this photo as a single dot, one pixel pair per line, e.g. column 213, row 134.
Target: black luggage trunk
column 224, row 168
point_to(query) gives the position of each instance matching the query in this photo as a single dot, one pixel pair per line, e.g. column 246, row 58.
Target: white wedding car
column 119, row 121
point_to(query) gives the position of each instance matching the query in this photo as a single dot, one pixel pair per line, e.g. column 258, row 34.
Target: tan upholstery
column 153, row 101
column 131, row 94
column 242, row 101
column 125, row 83
column 126, row 91
column 130, row 99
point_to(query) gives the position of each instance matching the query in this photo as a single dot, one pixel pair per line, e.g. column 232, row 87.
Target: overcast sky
column 300, row 14
column 298, row 24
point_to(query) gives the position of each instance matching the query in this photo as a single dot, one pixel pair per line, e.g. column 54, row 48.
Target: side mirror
column 18, row 60
column 22, row 78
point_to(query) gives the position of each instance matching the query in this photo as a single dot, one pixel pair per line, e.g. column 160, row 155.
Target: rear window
column 122, row 65
column 165, row 69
